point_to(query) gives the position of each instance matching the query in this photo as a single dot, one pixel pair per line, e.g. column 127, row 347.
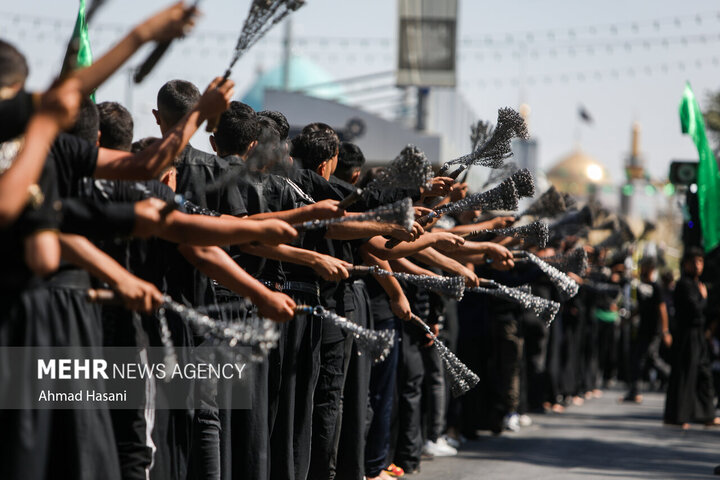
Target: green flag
column 80, row 35
column 708, row 177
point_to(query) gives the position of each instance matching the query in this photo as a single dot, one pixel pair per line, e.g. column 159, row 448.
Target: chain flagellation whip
column 545, row 309
column 409, row 170
column 452, row 286
column 536, row 232
column 497, row 148
column 567, row 287
column 502, row 197
column 549, row 204
column 374, row 343
column 400, row 213
column 462, row 379
column 575, row 261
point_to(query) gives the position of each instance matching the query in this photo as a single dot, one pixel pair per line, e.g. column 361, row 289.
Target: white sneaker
column 450, row 441
column 511, row 422
column 525, row 420
column 437, row 450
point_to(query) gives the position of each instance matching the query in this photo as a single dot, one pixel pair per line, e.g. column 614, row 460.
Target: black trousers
column 356, row 408
column 291, row 394
column 408, row 420
column 327, row 404
column 382, row 390
column 53, row 444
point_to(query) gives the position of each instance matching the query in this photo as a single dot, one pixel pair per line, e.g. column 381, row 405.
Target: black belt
column 304, row 287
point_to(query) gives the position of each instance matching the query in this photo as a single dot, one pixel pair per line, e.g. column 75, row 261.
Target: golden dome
column 576, row 172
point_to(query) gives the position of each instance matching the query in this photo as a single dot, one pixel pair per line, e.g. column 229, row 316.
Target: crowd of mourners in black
column 82, row 206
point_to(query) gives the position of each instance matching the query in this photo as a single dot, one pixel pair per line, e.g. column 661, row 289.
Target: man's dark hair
column 313, row 148
column 142, row 144
column 350, row 160
column 648, row 262
column 87, row 123
column 317, row 127
column 237, row 129
column 283, row 127
column 369, row 176
column 690, row 253
column 116, row 126
column 175, row 99
column 13, row 66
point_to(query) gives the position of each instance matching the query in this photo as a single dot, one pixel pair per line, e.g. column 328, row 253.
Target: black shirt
column 206, row 180
column 649, row 297
column 41, row 213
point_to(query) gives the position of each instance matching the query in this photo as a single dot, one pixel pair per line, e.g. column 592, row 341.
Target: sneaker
column 448, row 440
column 511, row 422
column 524, row 420
column 437, row 449
column 394, row 471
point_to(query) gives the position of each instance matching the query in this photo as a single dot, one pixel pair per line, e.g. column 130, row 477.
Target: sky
column 623, row 61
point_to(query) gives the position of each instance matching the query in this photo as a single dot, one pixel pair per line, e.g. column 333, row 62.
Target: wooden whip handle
column 103, row 296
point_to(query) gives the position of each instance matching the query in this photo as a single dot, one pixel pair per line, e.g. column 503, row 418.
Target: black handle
column 151, row 61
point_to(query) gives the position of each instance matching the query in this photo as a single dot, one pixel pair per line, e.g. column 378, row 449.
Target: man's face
column 694, row 266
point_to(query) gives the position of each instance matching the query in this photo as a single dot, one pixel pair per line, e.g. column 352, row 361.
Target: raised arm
column 150, row 162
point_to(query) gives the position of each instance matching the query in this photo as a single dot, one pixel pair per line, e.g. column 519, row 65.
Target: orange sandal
column 395, row 471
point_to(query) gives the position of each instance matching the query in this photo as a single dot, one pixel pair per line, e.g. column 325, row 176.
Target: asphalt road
column 601, row 439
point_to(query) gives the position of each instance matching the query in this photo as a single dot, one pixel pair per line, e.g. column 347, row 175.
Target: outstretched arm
column 137, row 294
column 217, row 264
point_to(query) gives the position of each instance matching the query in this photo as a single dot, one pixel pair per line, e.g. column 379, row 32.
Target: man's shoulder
column 192, row 156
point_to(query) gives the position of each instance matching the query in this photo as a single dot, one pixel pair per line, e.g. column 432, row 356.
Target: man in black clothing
column 652, row 313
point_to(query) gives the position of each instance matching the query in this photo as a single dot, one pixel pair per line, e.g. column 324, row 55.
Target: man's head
column 317, row 127
column 693, row 262
column 350, row 162
column 13, row 70
column 648, row 266
column 316, row 151
column 87, row 124
column 283, row 127
column 237, row 131
column 116, row 126
column 174, row 100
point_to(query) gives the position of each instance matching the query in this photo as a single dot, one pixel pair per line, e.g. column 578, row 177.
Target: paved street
column 602, row 439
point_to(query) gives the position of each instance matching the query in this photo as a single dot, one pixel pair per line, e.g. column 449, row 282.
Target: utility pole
column 287, row 54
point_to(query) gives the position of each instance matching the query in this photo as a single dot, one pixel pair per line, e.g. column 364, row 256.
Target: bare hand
column 435, row 329
column 401, row 307
column 421, row 211
column 439, row 187
column 502, row 222
column 502, row 258
column 276, row 306
column 148, row 220
column 330, row 268
column 326, row 209
column 458, row 191
column 217, row 97
column 139, row 295
column 447, row 240
column 274, row 231
column 667, row 339
column 471, row 279
column 173, row 22
column 399, row 233
column 62, row 102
